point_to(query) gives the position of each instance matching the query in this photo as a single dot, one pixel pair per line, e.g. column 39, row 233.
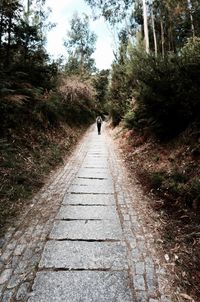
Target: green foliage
column 48, row 111
column 167, row 91
column 21, row 33
column 115, row 112
column 191, row 49
column 80, row 46
column 193, row 191
column 113, row 11
column 120, row 90
column 166, row 87
column 129, row 119
column 177, row 185
column 157, row 179
column 100, row 82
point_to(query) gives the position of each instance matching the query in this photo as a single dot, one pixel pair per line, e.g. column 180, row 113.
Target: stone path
column 82, row 239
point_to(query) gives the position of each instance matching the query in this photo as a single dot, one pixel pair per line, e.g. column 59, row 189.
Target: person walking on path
column 99, row 123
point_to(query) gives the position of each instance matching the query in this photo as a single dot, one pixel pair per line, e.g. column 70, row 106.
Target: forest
column 151, row 95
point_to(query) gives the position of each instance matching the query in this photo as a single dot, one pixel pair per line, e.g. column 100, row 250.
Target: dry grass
column 27, row 156
column 74, row 89
column 170, row 173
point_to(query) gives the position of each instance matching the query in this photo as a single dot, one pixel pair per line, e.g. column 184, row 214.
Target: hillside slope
column 170, row 173
column 38, row 129
column 27, row 156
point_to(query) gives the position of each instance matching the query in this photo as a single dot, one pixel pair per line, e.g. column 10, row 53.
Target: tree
column 154, row 33
column 80, row 47
column 113, row 11
column 191, row 17
column 9, row 13
column 146, row 31
column 22, row 31
column 100, row 83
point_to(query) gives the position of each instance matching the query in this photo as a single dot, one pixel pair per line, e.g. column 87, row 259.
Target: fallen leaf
column 185, row 296
column 166, row 257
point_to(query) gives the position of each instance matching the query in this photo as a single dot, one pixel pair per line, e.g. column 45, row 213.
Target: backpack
column 99, row 120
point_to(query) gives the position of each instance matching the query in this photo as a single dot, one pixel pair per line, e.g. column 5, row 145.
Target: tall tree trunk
column 9, row 41
column 1, row 34
column 154, row 34
column 170, row 42
column 1, row 29
column 162, row 37
column 191, row 18
column 28, row 7
column 1, row 22
column 146, row 31
column 27, row 35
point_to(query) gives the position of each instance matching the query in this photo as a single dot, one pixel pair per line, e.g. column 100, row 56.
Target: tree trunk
column 1, row 22
column 154, row 34
column 1, row 34
column 191, row 18
column 146, row 31
column 9, row 41
column 1, row 29
column 27, row 35
column 28, row 7
column 162, row 38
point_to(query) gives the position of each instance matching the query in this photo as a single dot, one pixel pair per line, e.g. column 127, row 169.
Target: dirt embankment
column 27, row 156
column 170, row 173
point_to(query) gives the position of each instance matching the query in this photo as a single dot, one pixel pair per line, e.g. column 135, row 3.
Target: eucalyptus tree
column 191, row 17
column 80, row 45
column 154, row 32
column 146, row 30
column 118, row 11
column 113, row 11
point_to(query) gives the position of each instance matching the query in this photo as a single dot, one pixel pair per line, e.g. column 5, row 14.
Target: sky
column 62, row 13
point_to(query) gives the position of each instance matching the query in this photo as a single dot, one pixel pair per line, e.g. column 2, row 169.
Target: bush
column 192, row 192
column 48, row 110
column 119, row 93
column 177, row 185
column 129, row 119
column 21, row 103
column 115, row 113
column 168, row 90
column 157, row 179
column 77, row 100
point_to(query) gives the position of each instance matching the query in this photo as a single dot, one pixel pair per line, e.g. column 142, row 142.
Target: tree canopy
column 80, row 45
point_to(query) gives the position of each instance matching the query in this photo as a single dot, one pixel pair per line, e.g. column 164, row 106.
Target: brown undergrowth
column 27, row 156
column 170, row 172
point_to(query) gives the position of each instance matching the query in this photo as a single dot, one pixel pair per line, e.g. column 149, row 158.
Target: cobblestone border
column 152, row 281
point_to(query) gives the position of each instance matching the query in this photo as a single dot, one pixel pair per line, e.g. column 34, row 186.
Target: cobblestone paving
column 84, row 238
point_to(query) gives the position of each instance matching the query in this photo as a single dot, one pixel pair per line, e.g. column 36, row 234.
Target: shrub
column 192, row 192
column 77, row 100
column 48, row 111
column 115, row 113
column 119, row 94
column 177, row 185
column 157, row 179
column 129, row 119
column 168, row 90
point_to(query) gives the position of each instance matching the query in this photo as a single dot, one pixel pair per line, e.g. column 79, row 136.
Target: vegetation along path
column 84, row 237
